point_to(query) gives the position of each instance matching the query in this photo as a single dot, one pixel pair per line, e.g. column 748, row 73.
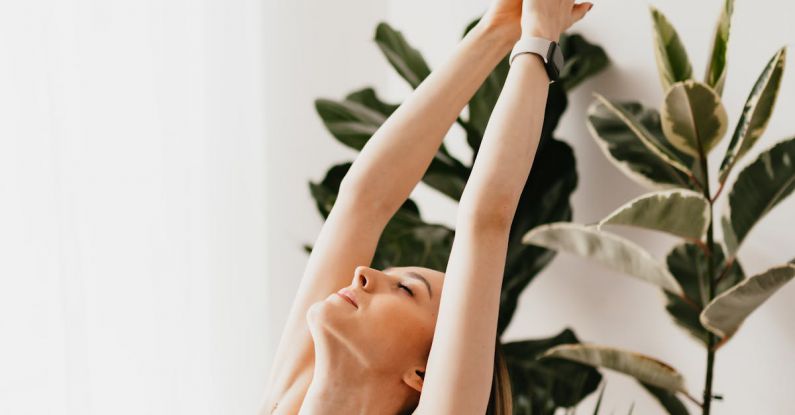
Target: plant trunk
column 711, row 339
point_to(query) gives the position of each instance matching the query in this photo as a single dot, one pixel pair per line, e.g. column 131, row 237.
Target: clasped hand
column 537, row 18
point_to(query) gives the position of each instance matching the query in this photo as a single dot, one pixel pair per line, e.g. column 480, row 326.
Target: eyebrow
column 416, row 276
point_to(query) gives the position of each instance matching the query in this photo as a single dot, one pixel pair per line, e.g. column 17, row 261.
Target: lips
column 348, row 296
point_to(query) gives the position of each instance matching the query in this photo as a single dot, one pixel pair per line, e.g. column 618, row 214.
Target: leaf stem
column 710, row 277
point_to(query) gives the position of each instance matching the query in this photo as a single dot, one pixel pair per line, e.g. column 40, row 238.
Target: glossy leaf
column 627, row 152
column 611, row 250
column 688, row 264
column 540, row 385
column 693, row 117
column 682, row 213
column 354, row 120
column 644, row 135
column 582, row 60
column 757, row 190
column 643, row 368
column 756, row 113
column 716, row 68
column 407, row 61
column 724, row 315
column 672, row 61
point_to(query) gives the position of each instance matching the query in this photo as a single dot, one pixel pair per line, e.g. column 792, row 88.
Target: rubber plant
column 540, row 385
column 707, row 293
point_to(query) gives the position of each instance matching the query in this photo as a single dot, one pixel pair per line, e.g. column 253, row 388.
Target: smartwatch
column 548, row 50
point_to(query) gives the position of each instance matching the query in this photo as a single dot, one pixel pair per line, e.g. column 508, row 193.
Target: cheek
column 400, row 325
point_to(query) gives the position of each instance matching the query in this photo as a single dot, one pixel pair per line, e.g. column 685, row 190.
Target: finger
column 580, row 10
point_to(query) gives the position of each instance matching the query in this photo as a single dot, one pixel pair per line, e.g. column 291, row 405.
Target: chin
column 323, row 315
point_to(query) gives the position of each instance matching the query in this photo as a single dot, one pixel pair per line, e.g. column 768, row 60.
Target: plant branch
column 692, row 399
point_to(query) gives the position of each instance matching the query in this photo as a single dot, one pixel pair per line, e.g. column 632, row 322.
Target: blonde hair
column 501, row 398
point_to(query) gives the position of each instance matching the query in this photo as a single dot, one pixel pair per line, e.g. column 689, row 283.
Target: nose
column 361, row 279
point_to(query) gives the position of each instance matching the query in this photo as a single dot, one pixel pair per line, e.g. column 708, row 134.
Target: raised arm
column 459, row 370
column 397, row 156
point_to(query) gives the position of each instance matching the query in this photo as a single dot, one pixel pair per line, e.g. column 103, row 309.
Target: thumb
column 579, row 10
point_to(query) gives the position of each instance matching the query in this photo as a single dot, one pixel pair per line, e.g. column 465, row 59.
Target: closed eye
column 405, row 287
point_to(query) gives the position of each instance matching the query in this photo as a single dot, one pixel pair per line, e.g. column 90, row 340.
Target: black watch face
column 554, row 61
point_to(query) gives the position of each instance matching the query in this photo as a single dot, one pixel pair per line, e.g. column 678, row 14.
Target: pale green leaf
column 693, row 117
column 683, row 213
column 670, row 53
column 611, row 250
column 688, row 264
column 716, row 69
column 644, row 135
column 756, row 113
column 757, row 190
column 643, row 368
column 628, row 153
column 724, row 315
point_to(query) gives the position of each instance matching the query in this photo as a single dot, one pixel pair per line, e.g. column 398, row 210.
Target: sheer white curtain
column 132, row 207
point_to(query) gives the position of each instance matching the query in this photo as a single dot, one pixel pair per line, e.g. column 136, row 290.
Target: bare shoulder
column 289, row 397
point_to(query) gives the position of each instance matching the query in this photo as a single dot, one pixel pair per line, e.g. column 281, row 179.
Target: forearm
column 510, row 142
column 396, row 157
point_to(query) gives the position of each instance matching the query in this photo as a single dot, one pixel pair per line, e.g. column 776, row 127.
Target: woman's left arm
column 396, row 157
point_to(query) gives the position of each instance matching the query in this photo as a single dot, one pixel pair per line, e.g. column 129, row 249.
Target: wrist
column 502, row 34
column 536, row 29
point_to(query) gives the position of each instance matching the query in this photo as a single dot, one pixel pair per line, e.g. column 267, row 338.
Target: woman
column 363, row 341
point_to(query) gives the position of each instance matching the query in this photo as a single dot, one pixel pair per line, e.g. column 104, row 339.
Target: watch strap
column 537, row 45
column 548, row 50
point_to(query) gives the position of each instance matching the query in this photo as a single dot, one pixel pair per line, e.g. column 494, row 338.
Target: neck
column 341, row 384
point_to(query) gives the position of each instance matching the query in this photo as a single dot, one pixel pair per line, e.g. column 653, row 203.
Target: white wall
column 753, row 370
column 132, row 207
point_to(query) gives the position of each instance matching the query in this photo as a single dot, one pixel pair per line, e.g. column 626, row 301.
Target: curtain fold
column 132, row 207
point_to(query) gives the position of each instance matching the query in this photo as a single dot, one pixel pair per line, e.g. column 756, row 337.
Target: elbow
column 363, row 198
column 493, row 215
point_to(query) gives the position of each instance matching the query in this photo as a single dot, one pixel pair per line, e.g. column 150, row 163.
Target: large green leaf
column 672, row 60
column 693, row 117
column 645, row 136
column 756, row 113
column 688, row 264
column 643, row 368
column 406, row 60
column 628, row 153
column 540, row 386
column 354, row 120
column 716, row 69
column 724, row 315
column 758, row 189
column 683, row 213
column 352, row 123
column 582, row 60
column 611, row 250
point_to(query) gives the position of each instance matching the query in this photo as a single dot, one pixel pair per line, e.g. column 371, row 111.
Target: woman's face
column 386, row 317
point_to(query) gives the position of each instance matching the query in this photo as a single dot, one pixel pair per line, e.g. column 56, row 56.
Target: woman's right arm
column 460, row 364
